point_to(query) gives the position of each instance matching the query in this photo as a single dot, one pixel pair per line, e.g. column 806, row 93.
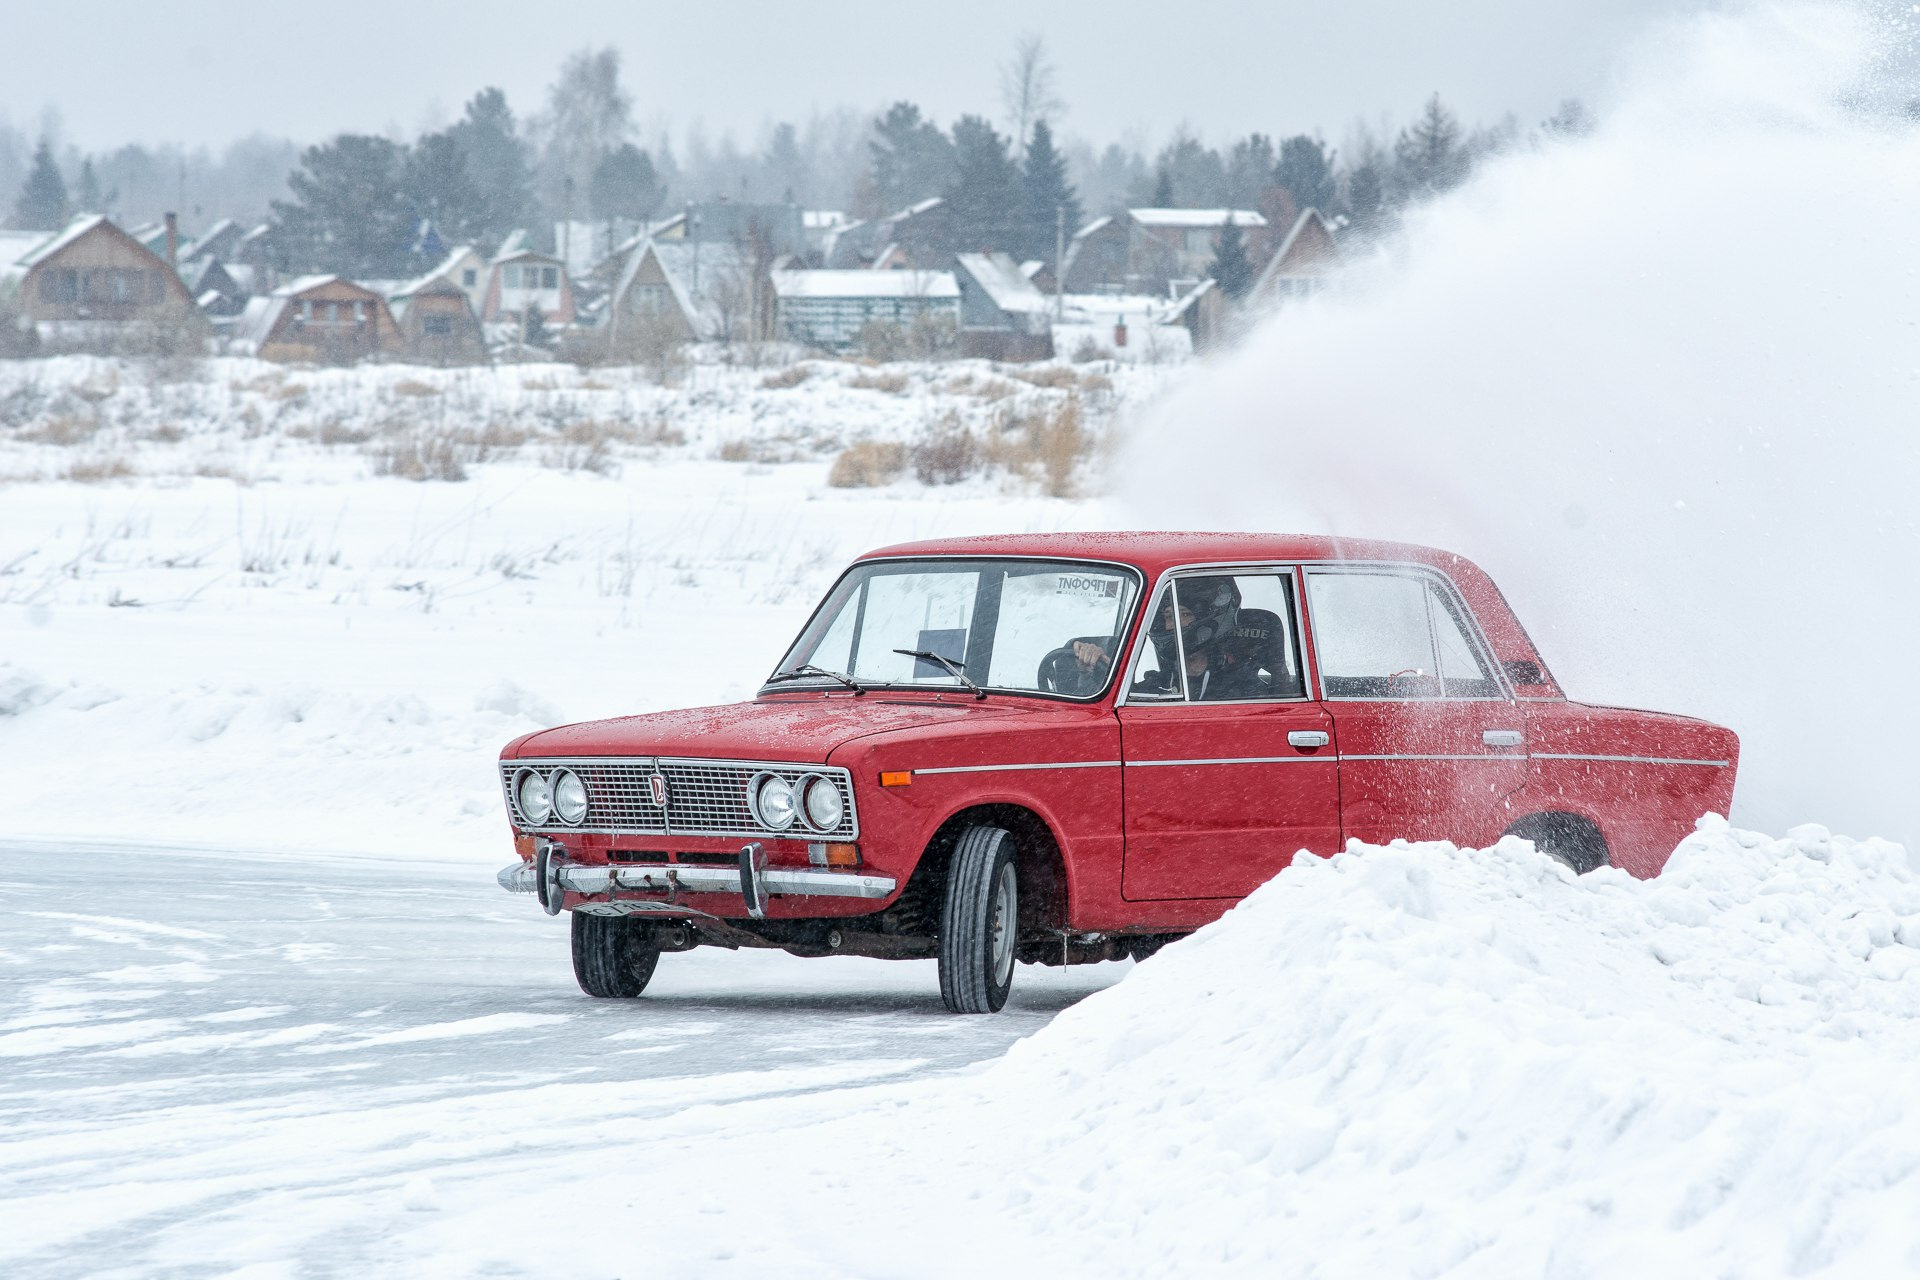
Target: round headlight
column 535, row 796
column 569, row 797
column 773, row 802
column 822, row 799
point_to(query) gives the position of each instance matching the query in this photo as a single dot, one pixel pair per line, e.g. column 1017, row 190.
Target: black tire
column 980, row 922
column 613, row 956
column 1566, row 839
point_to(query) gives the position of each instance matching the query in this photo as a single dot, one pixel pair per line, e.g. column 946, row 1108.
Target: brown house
column 1302, row 264
column 321, row 319
column 93, row 279
column 436, row 322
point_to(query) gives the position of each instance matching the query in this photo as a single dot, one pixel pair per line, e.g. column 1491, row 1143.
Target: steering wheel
column 1410, row 671
column 1061, row 670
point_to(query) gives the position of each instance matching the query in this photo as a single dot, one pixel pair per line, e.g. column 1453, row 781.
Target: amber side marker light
column 523, row 845
column 834, row 855
column 903, row 778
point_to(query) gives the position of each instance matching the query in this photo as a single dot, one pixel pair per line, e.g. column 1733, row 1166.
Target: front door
column 1229, row 768
column 1430, row 744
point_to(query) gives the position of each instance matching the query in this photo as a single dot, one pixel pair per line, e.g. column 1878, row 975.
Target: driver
column 1208, row 610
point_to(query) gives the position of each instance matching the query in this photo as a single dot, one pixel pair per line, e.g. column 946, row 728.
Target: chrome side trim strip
column 1558, row 755
column 1002, row 768
column 1518, row 759
column 1142, row 764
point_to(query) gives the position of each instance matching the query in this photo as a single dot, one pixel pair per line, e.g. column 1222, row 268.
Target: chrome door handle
column 1307, row 739
column 1503, row 738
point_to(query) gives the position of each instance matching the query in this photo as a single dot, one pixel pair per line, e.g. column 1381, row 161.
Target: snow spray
column 1663, row 381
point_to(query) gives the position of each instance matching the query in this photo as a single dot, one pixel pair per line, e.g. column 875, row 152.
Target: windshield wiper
column 959, row 673
column 808, row 669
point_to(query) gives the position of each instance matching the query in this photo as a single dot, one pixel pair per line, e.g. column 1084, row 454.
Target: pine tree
column 1163, row 190
column 86, row 192
column 911, row 158
column 497, row 162
column 1045, row 191
column 42, row 205
column 1249, row 171
column 1428, row 153
column 984, row 200
column 436, row 186
column 1232, row 270
column 625, row 185
column 347, row 214
column 1306, row 171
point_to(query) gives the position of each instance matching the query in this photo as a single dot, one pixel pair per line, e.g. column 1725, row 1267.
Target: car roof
column 1154, row 552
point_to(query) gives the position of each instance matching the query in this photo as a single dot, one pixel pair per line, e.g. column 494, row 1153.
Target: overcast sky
column 200, row 72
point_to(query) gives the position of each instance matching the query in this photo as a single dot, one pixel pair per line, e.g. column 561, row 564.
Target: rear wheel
column 1564, row 838
column 613, row 956
column 980, row 922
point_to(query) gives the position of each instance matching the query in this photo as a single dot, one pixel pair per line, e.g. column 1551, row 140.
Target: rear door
column 1224, row 781
column 1431, row 745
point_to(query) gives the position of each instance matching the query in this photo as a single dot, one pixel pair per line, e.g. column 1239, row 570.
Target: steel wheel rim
column 1001, row 929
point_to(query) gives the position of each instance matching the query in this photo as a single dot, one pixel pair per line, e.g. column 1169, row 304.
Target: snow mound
column 1417, row 1059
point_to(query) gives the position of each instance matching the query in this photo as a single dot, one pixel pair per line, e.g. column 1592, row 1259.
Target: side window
column 1237, row 641
column 1386, row 635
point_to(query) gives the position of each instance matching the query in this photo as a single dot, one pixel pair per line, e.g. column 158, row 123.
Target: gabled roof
column 1308, row 250
column 693, row 270
column 218, row 239
column 1092, row 227
column 1000, row 276
column 865, row 284
column 257, row 320
column 15, row 245
column 443, row 270
column 1196, row 218
column 73, row 231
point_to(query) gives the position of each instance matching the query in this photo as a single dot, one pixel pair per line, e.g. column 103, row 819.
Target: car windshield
column 1020, row 626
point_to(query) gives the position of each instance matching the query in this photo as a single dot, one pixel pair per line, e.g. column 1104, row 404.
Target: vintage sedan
column 1076, row 747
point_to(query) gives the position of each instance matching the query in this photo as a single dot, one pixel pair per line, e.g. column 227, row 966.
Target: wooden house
column 1145, row 251
column 319, row 319
column 93, row 280
column 699, row 292
column 437, row 323
column 520, row 277
column 1303, row 262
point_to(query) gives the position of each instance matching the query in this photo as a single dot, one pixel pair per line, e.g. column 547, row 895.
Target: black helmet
column 1215, row 604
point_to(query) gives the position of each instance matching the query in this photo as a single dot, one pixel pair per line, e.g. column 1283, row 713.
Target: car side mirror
column 1524, row 671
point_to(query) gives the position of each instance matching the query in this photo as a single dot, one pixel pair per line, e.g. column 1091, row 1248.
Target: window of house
column 469, row 278
column 1393, row 635
column 510, row 276
column 437, row 326
column 549, row 277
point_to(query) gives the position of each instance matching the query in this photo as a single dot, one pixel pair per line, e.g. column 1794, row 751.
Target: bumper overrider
column 550, row 876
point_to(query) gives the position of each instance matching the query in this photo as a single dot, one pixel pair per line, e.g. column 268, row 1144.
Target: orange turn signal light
column 843, row 855
column 523, row 845
column 902, row 778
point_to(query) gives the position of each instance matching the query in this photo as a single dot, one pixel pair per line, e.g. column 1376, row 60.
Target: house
column 94, row 280
column 829, row 308
column 764, row 229
column 321, row 319
column 1202, row 312
column 1002, row 315
column 520, row 277
column 920, row 236
column 1145, row 250
column 465, row 269
column 218, row 244
column 437, row 322
column 1302, row 263
column 699, row 292
column 219, row 290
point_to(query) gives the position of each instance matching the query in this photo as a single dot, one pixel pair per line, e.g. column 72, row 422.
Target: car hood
column 804, row 730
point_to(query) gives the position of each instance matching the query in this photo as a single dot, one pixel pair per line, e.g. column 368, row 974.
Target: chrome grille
column 704, row 797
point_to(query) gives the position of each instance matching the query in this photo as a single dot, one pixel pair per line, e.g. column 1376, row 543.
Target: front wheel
column 613, row 956
column 980, row 922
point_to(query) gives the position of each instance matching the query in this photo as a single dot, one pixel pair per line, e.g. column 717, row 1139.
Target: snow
column 1197, row 218
column 865, row 284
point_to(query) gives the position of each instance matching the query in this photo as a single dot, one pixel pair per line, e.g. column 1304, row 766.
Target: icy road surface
column 212, row 1058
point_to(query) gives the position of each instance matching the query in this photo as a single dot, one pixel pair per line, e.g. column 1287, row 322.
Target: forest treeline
column 353, row 202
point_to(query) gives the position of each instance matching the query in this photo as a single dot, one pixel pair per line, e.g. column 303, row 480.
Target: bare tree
column 1027, row 89
column 588, row 115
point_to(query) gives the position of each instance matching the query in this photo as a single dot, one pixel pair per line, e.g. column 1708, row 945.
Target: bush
column 947, row 455
column 929, row 336
column 791, row 376
column 868, row 465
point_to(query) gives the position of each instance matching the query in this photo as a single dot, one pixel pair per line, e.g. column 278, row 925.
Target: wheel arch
column 1044, row 888
column 1568, row 824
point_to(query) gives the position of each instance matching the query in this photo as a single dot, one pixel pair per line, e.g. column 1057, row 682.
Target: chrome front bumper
column 805, row 882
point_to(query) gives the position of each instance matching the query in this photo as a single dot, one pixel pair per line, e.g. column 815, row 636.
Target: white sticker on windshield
column 1080, row 584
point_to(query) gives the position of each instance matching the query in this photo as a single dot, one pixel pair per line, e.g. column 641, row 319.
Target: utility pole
column 566, row 223
column 1059, row 261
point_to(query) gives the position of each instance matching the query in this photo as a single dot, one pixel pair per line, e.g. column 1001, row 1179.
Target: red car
column 1075, row 747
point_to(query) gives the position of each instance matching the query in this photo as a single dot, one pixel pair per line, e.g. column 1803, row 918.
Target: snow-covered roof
column 1196, row 217
column 15, row 245
column 823, row 219
column 74, row 230
column 256, row 322
column 214, row 240
column 442, row 271
column 694, row 272
column 1092, row 227
column 865, row 284
column 293, row 288
column 999, row 275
